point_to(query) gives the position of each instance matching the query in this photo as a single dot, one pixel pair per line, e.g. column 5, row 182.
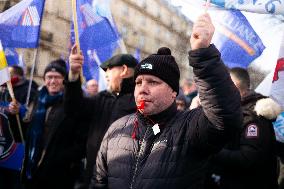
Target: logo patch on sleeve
column 252, row 131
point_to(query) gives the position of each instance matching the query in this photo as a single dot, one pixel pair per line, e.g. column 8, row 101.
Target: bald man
column 92, row 87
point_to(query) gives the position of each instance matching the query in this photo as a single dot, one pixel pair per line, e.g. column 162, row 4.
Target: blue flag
column 238, row 43
column 11, row 153
column 102, row 8
column 278, row 126
column 257, row 6
column 20, row 25
column 11, row 56
column 98, row 38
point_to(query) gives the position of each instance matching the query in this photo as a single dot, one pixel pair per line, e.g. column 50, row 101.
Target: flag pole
column 122, row 46
column 11, row 92
column 76, row 31
column 75, row 21
column 31, row 77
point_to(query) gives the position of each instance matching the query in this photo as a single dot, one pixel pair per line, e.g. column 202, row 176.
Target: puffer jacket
column 177, row 156
column 98, row 113
column 250, row 161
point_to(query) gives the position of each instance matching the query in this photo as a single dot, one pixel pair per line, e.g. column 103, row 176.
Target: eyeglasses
column 55, row 77
column 180, row 103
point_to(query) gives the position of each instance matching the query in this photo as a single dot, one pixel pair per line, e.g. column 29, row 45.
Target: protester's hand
column 202, row 32
column 76, row 61
column 14, row 108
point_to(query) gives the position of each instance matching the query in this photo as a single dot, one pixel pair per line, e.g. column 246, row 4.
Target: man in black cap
column 160, row 147
column 54, row 144
column 117, row 68
column 107, row 106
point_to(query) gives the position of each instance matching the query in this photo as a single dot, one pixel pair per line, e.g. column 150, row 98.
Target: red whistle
column 15, row 80
column 141, row 105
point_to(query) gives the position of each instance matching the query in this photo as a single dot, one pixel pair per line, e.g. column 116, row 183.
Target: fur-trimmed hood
column 267, row 108
column 262, row 105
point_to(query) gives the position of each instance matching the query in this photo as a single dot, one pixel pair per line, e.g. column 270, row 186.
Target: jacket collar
column 261, row 105
column 127, row 85
column 161, row 118
column 248, row 101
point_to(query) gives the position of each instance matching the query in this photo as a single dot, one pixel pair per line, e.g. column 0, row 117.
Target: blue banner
column 238, row 43
column 257, row 6
column 98, row 38
column 102, row 8
column 12, row 56
column 279, row 128
column 20, row 25
column 11, row 153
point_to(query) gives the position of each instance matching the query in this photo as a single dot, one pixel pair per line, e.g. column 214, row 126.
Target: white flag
column 277, row 92
column 257, row 6
column 277, row 87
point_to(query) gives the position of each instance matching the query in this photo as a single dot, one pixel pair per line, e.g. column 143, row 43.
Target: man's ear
column 124, row 70
column 174, row 94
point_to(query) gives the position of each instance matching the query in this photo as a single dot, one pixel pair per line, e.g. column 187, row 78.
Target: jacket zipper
column 138, row 158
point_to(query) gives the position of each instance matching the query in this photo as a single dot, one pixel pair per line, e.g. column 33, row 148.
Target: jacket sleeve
column 99, row 179
column 75, row 103
column 220, row 99
column 253, row 151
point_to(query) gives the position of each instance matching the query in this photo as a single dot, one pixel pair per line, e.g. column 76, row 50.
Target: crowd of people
column 146, row 130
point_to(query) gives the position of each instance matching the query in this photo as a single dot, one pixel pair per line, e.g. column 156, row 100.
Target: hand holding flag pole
column 11, row 92
column 202, row 31
column 76, row 31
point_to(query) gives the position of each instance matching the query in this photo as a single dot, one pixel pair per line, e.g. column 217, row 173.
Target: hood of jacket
column 267, row 108
column 262, row 105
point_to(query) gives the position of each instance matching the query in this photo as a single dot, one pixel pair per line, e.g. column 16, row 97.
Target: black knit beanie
column 161, row 65
column 58, row 65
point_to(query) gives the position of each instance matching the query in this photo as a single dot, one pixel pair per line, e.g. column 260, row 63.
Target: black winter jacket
column 20, row 92
column 61, row 158
column 98, row 113
column 250, row 161
column 177, row 156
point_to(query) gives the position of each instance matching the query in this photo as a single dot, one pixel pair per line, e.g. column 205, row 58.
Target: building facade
column 149, row 24
column 144, row 25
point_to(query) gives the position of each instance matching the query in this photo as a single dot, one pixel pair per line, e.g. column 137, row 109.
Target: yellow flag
column 4, row 72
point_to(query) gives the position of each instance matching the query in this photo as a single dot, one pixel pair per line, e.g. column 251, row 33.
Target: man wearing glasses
column 53, row 145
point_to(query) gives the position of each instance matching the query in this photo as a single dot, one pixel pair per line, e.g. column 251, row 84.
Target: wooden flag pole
column 11, row 92
column 122, row 46
column 75, row 21
column 76, row 31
